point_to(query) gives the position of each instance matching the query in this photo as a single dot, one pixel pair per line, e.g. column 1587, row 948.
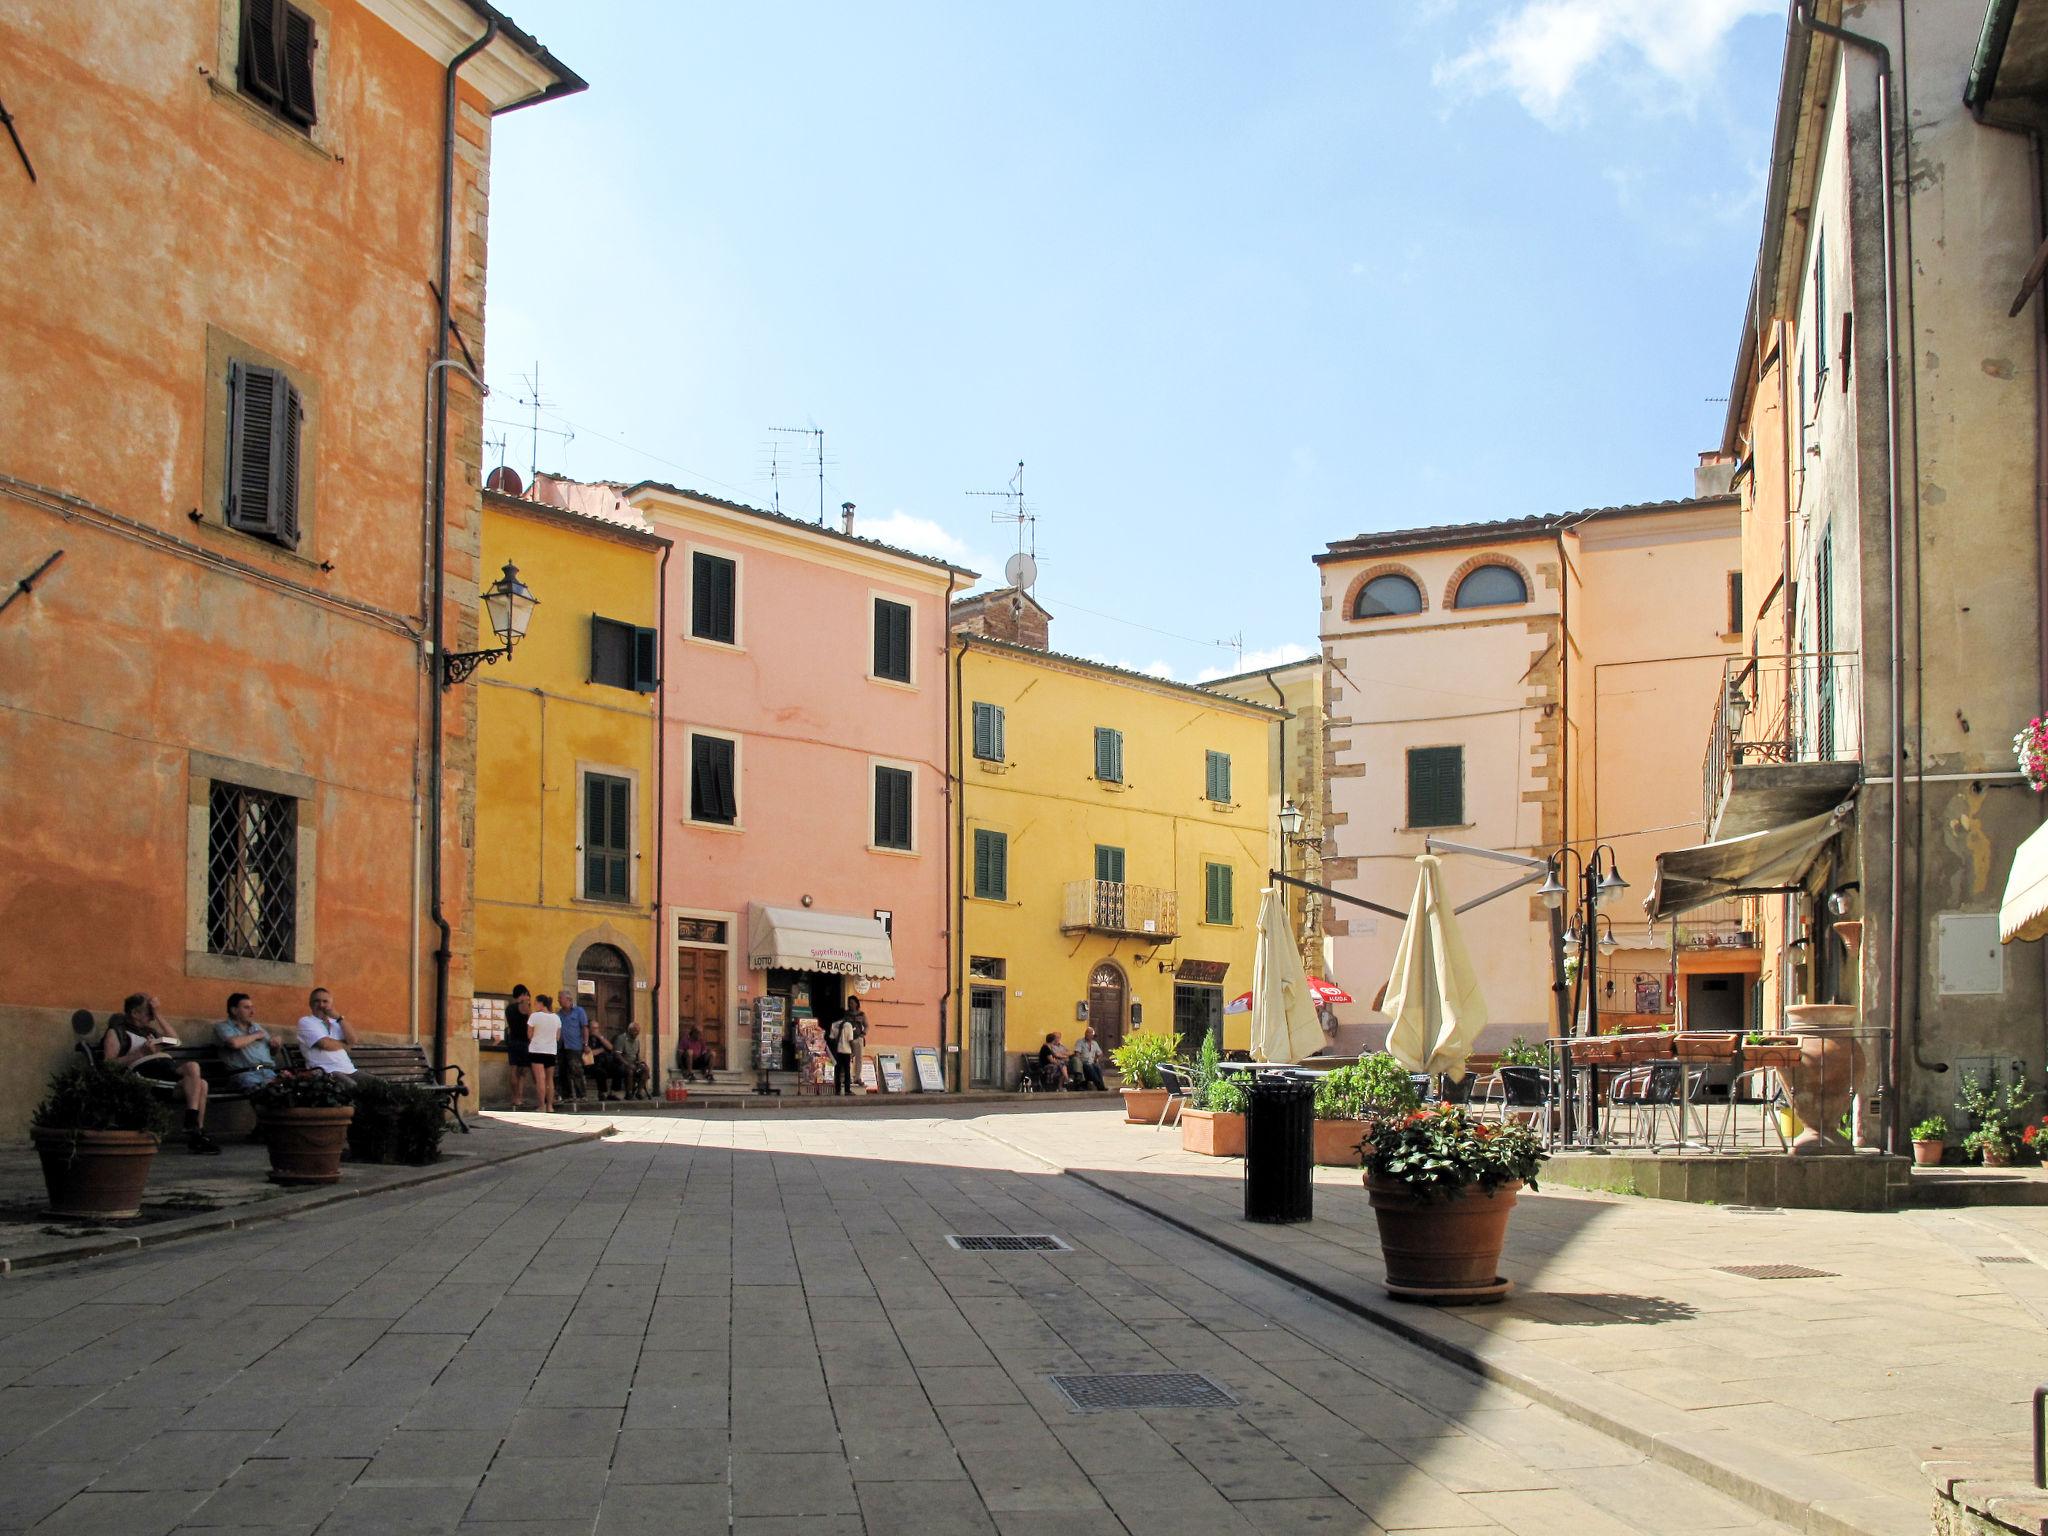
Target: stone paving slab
column 1815, row 1401
column 800, row 1351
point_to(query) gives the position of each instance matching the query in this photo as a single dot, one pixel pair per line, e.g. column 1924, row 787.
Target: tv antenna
column 536, row 402
column 817, row 436
column 1021, row 569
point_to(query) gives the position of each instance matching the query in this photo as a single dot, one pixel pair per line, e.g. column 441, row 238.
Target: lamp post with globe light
column 509, row 606
column 1598, row 877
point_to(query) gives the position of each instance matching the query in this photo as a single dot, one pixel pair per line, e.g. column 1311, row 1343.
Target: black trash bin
column 1279, row 1151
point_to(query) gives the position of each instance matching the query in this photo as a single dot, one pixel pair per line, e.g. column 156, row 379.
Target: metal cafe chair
column 1178, row 1085
column 1459, row 1092
column 1757, row 1088
column 1657, row 1087
column 1524, row 1090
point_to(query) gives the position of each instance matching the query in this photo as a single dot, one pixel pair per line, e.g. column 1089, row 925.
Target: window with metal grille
column 252, row 873
column 1109, row 755
column 1218, row 777
column 892, row 640
column 714, row 797
column 624, row 655
column 266, row 420
column 1109, row 863
column 892, row 808
column 991, row 865
column 714, row 590
column 1218, row 894
column 988, row 732
column 275, row 65
column 607, row 837
column 1436, row 787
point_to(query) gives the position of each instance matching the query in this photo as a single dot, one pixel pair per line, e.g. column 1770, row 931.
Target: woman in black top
column 516, row 1014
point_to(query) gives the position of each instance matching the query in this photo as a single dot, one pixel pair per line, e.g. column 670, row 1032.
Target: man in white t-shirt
column 324, row 1035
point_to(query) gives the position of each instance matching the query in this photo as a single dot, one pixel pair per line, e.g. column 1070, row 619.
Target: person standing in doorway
column 543, row 1042
column 517, row 1013
column 569, row 1065
column 842, row 1037
column 859, row 1021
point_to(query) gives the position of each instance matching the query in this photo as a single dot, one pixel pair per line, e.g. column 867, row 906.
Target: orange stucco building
column 222, row 308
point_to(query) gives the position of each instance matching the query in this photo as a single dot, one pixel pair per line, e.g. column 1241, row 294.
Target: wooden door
column 700, row 998
column 1107, row 996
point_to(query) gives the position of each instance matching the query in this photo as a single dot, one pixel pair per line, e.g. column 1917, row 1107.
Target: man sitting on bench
column 324, row 1035
column 245, row 1046
column 137, row 1040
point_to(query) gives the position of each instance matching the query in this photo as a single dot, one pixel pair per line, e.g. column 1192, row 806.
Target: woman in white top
column 543, row 1040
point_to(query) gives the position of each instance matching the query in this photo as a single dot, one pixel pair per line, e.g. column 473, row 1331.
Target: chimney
column 1714, row 475
column 846, row 517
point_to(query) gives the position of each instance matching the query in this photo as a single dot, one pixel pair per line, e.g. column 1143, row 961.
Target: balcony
column 1110, row 906
column 1785, row 743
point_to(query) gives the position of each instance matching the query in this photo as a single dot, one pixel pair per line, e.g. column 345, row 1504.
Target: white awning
column 2024, row 912
column 796, row 939
column 1742, row 866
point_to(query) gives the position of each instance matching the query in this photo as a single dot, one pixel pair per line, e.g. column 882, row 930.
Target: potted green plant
column 1138, row 1059
column 1521, row 1052
column 1212, row 1121
column 395, row 1123
column 1995, row 1115
column 96, row 1132
column 1346, row 1095
column 1442, row 1184
column 1930, row 1137
column 305, row 1118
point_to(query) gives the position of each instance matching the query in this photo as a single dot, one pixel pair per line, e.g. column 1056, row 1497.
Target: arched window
column 1384, row 596
column 1491, row 586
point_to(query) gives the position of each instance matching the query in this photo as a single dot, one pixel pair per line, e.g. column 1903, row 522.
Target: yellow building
column 1112, row 838
column 567, row 771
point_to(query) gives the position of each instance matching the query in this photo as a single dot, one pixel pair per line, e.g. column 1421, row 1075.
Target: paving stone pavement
column 755, row 1325
column 1837, row 1385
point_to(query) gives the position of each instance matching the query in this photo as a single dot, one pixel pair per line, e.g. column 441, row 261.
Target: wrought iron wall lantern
column 509, row 606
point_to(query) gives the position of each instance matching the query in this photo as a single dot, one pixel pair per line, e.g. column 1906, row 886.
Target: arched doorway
column 1108, row 999
column 610, row 974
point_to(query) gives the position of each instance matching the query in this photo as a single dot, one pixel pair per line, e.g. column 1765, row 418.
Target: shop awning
column 1773, row 860
column 798, row 939
column 2023, row 914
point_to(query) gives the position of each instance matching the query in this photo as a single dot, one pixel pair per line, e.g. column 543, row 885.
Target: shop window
column 714, row 793
column 991, row 865
column 275, row 66
column 892, row 640
column 1436, row 787
column 624, row 655
column 892, row 808
column 1218, row 777
column 714, row 598
column 1218, row 894
column 607, row 838
column 988, row 732
column 1109, row 755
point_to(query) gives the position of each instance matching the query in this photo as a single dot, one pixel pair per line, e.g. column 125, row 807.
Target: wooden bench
column 409, row 1064
column 218, row 1076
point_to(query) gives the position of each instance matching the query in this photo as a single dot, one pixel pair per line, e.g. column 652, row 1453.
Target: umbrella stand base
column 1453, row 1295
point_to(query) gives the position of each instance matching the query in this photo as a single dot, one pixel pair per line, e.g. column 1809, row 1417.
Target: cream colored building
column 1524, row 686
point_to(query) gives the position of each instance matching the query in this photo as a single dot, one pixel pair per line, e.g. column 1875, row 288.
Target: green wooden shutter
column 646, row 660
column 713, row 599
column 892, row 808
column 988, row 732
column 712, row 791
column 1436, row 787
column 1219, row 777
column 607, row 837
column 1109, row 863
column 1217, row 904
column 892, row 640
column 991, row 865
column 1109, row 755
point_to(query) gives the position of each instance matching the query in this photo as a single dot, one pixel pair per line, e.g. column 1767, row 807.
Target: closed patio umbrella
column 1284, row 1026
column 1433, row 999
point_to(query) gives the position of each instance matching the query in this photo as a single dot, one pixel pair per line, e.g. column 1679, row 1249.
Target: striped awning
column 798, row 939
column 2023, row 914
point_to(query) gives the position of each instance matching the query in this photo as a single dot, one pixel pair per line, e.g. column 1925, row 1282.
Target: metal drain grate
column 1777, row 1272
column 1755, row 1210
column 1157, row 1389
column 2003, row 1258
column 1008, row 1242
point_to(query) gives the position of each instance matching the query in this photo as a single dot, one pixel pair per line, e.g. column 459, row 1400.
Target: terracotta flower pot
column 305, row 1144
column 1706, row 1046
column 1823, row 1083
column 1444, row 1251
column 1212, row 1133
column 95, row 1173
column 1996, row 1157
column 1598, row 1051
column 1780, row 1052
column 1645, row 1045
column 1927, row 1154
column 1339, row 1143
column 1143, row 1106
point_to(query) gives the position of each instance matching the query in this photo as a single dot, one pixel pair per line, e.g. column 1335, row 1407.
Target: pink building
column 802, row 829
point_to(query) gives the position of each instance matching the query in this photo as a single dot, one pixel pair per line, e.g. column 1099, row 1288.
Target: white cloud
column 1258, row 661
column 1542, row 49
column 921, row 535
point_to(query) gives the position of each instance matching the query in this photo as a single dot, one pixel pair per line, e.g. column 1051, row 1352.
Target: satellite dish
column 1020, row 570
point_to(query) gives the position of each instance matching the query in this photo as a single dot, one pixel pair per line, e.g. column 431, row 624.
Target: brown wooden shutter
column 284, row 519
column 296, row 72
column 262, row 73
column 252, row 420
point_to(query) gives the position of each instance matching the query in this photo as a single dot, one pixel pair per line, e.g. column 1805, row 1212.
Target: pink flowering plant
column 2031, row 748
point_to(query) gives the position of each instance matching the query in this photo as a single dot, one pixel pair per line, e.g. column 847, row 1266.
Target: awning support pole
column 1323, row 890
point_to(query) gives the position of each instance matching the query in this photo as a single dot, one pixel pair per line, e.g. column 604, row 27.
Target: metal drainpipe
column 437, row 517
column 1896, row 933
column 657, row 957
column 957, row 851
column 946, row 998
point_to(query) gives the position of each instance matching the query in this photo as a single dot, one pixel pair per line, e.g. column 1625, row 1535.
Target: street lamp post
column 1598, row 877
column 509, row 606
column 1291, row 836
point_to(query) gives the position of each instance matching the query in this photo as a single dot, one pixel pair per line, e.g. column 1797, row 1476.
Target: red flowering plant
column 1434, row 1153
column 2030, row 746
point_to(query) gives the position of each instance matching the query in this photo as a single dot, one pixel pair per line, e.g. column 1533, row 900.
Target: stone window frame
column 1474, row 563
column 321, row 139
column 223, row 348
column 203, row 770
column 1374, row 573
column 584, row 769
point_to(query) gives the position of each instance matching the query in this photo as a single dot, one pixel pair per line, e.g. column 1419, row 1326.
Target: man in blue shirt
column 569, row 1064
column 245, row 1045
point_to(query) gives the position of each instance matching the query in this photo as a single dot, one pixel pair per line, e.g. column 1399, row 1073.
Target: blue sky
column 1233, row 281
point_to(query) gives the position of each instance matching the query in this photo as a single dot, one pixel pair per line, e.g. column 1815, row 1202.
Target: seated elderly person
column 137, row 1040
column 245, row 1045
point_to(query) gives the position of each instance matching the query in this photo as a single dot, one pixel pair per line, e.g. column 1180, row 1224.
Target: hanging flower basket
column 2030, row 747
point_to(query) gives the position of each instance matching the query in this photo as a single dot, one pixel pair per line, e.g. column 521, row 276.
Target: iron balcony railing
column 1804, row 708
column 1110, row 906
column 1726, row 924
